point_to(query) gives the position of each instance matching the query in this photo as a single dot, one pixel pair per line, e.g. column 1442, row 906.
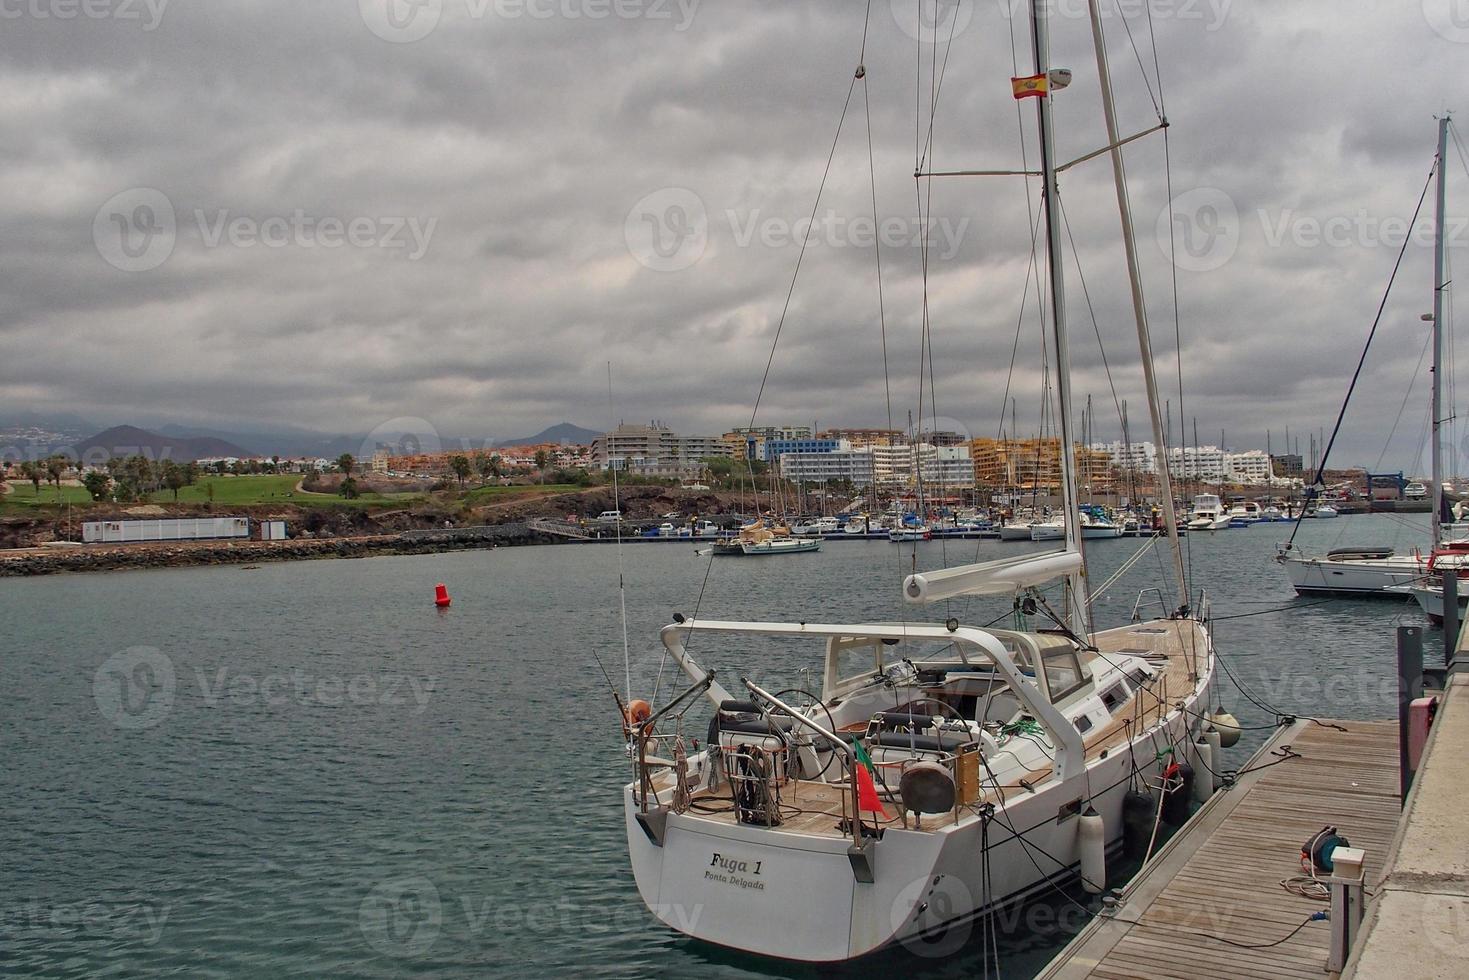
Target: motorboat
column 1208, row 513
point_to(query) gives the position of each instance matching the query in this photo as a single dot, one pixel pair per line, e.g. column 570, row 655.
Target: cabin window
column 1063, row 673
column 854, row 662
column 1114, row 696
column 1084, row 724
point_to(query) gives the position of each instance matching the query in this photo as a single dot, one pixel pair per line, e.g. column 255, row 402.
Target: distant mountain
column 273, row 442
column 129, row 440
column 563, row 432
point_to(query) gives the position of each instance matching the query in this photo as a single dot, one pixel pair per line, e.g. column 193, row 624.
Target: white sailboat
column 1377, row 571
column 1001, row 752
column 1051, row 530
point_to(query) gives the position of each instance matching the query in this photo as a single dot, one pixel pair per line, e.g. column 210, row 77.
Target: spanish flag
column 1031, row 86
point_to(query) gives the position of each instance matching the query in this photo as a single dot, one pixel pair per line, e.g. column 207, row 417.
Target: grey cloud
column 528, row 141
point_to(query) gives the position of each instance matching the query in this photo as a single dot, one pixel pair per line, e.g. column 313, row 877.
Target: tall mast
column 1139, row 307
column 1438, row 287
column 1078, row 613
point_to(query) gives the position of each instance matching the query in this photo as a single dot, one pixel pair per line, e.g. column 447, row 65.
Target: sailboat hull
column 1361, row 578
column 743, row 887
column 794, row 892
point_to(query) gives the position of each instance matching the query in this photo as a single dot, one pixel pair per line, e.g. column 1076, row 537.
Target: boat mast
column 1438, row 288
column 1077, row 602
column 1139, row 307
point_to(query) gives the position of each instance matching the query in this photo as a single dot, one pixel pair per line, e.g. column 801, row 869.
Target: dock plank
column 1222, row 875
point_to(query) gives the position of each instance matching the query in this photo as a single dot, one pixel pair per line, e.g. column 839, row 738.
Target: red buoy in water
column 441, row 596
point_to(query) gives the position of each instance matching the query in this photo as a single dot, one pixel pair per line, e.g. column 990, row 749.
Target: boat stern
column 790, row 896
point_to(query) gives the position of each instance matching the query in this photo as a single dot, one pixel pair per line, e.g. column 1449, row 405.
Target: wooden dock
column 1220, row 876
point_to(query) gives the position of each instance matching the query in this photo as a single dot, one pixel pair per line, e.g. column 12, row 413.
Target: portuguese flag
column 867, row 799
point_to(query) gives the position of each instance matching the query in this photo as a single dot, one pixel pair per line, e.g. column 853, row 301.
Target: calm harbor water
column 305, row 769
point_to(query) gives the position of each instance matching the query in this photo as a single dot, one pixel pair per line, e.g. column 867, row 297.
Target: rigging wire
column 858, row 75
column 1091, row 311
column 621, row 580
column 1361, row 361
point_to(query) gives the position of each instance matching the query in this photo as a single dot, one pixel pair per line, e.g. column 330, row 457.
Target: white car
column 1415, row 491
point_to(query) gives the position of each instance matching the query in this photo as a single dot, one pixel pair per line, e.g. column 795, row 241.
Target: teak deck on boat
column 1221, row 874
column 816, row 809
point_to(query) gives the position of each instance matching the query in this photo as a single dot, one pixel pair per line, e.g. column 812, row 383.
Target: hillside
column 563, row 432
column 129, row 440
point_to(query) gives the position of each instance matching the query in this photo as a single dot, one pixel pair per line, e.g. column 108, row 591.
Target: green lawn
column 262, row 489
column 270, row 489
column 22, row 494
column 267, row 489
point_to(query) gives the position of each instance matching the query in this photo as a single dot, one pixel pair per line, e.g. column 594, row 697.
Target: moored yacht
column 969, row 732
column 1004, row 756
column 1208, row 513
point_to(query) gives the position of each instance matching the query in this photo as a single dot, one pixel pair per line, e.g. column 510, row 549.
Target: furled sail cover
column 999, row 577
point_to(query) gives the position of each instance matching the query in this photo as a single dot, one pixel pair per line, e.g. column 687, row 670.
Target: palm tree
column 173, row 477
column 460, row 465
column 345, row 463
column 55, row 466
column 32, row 472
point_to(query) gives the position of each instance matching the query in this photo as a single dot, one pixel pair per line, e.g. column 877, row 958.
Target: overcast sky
column 331, row 215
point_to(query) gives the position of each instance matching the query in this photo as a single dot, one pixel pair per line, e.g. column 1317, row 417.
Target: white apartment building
column 1249, row 467
column 1140, row 457
column 1196, row 463
column 654, row 444
column 845, row 463
column 946, row 467
column 941, row 466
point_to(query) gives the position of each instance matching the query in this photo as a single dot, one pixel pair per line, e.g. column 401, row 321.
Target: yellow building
column 1035, row 464
column 865, row 438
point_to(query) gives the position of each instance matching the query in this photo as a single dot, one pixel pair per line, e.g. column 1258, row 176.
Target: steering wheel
column 831, row 725
column 958, row 716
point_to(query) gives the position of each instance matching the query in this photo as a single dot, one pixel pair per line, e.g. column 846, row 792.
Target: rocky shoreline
column 174, row 554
